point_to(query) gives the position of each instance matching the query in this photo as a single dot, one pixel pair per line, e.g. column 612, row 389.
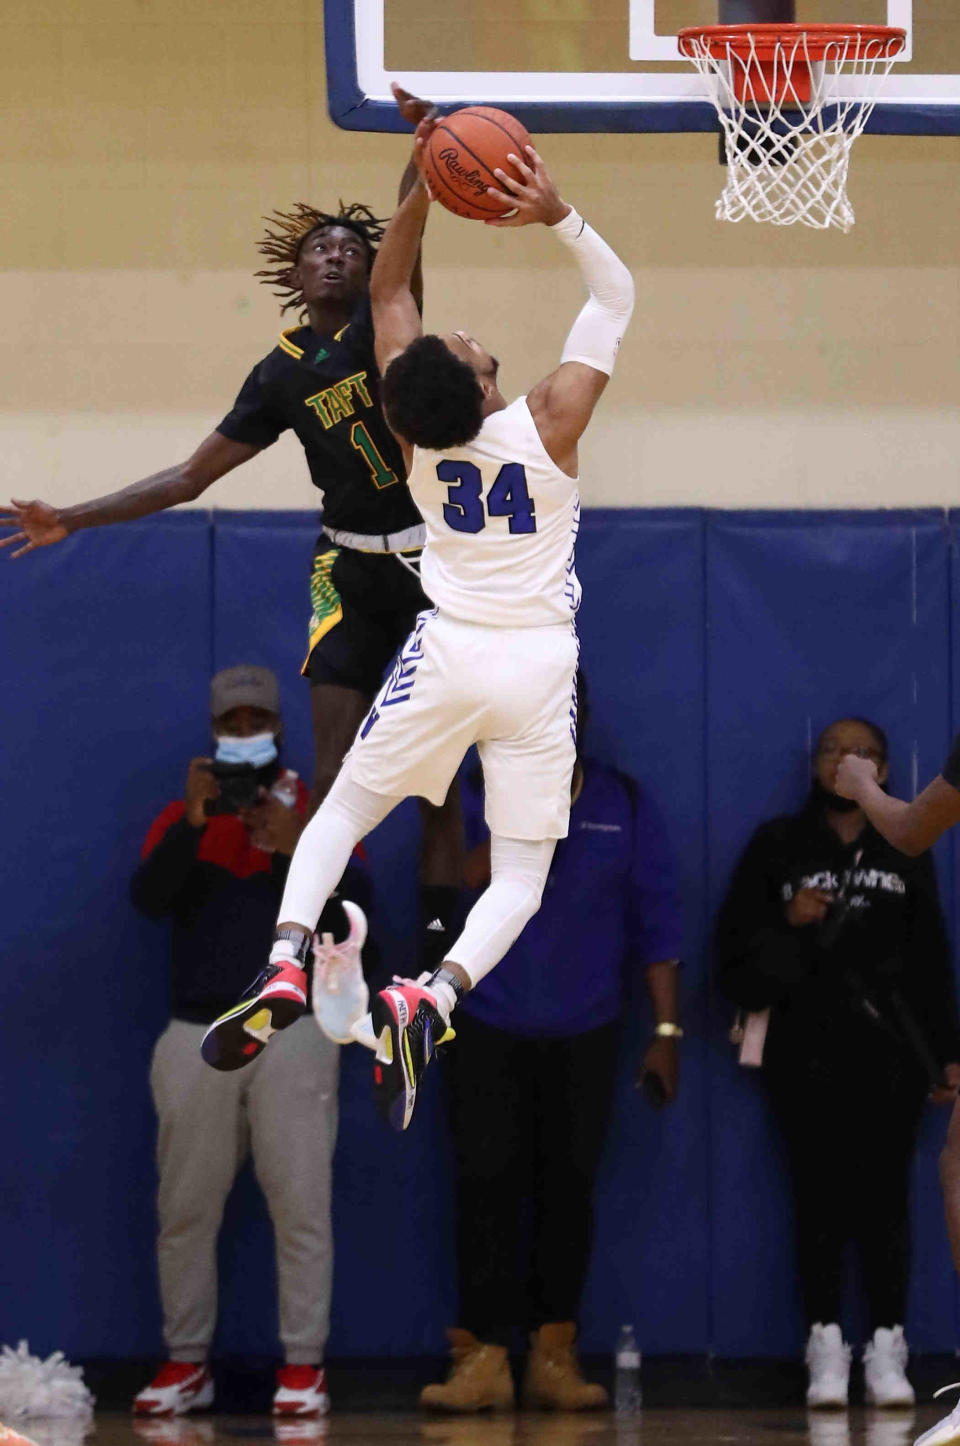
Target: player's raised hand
column 424, row 115
column 37, row 524
column 412, row 108
column 534, row 196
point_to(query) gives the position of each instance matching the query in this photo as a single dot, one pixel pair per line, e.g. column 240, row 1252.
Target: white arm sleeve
column 597, row 332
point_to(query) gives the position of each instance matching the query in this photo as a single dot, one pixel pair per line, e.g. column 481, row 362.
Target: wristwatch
column 669, row 1031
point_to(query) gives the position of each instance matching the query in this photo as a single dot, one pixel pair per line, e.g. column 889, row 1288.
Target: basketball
column 461, row 154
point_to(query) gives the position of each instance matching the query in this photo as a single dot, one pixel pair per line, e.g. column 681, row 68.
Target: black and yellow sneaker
column 275, row 999
column 407, row 1025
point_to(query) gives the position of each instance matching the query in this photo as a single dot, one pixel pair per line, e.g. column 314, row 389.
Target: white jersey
column 502, row 523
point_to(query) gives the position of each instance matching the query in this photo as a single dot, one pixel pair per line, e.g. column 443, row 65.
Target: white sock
column 284, row 952
column 445, row 996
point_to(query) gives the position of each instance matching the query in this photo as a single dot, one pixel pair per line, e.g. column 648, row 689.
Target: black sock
column 439, row 912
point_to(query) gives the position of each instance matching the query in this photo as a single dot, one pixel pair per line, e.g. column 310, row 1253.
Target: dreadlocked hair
column 287, row 231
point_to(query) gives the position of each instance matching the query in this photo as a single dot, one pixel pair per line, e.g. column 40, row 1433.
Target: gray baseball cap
column 244, row 686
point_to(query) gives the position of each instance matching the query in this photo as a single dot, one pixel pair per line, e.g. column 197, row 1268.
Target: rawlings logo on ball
column 462, row 157
column 451, row 159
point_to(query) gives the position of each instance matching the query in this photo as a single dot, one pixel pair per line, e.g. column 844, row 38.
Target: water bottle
column 626, row 1387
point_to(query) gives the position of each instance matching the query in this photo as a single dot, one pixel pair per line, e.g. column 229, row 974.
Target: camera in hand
column 239, row 787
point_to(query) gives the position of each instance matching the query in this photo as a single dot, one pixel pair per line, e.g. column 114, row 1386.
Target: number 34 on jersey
column 464, row 508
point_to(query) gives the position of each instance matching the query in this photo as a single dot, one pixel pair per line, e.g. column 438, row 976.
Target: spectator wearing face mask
column 834, row 944
column 214, row 863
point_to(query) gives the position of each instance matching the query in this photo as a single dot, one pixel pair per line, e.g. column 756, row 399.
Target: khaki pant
column 282, row 1109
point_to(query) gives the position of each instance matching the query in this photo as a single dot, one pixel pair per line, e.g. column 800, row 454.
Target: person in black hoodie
column 834, row 943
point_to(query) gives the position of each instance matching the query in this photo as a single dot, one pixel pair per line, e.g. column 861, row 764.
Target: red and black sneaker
column 275, row 999
column 407, row 1025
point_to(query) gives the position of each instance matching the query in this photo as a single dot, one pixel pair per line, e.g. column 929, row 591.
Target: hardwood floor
column 674, row 1427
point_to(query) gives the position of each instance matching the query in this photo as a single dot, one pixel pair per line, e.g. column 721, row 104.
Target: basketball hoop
column 792, row 100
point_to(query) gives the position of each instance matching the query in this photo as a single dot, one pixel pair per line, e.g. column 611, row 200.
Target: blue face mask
column 259, row 750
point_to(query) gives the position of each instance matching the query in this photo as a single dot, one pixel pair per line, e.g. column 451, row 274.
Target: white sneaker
column 946, row 1431
column 178, row 1387
column 340, row 993
column 884, row 1369
column 828, row 1360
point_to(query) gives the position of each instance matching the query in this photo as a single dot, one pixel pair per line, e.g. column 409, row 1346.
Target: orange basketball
column 461, row 154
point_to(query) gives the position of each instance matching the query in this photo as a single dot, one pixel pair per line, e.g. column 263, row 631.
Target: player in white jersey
column 493, row 663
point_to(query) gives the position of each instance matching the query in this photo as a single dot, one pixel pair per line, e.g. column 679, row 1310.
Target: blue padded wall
column 104, row 651
column 642, row 647
column 717, row 644
column 810, row 617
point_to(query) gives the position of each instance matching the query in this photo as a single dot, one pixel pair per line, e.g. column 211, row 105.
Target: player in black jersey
column 321, row 381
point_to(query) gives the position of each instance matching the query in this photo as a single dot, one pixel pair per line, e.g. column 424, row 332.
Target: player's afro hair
column 432, row 398
column 287, row 231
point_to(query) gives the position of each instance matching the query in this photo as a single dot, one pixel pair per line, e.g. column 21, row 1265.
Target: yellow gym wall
column 142, row 140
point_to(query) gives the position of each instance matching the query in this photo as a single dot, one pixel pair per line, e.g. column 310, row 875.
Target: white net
column 791, row 110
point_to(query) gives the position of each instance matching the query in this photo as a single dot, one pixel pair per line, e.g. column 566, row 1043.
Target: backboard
column 600, row 65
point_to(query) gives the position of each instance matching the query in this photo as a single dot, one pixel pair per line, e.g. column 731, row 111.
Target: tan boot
column 553, row 1380
column 479, row 1377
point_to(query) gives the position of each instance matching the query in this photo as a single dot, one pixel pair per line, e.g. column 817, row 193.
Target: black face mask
column 822, row 799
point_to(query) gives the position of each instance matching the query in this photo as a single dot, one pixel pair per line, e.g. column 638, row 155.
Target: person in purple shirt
column 531, row 1082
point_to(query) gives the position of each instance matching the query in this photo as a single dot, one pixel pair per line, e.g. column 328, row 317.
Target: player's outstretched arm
column 396, row 319
column 910, row 827
column 562, row 404
column 415, row 110
column 36, row 524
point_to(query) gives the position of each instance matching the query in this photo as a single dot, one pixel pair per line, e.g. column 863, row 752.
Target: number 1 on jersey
column 508, row 497
column 362, row 442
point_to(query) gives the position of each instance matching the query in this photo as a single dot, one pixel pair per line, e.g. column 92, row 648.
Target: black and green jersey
column 327, row 389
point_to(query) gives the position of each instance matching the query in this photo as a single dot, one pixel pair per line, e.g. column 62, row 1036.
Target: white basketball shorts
column 509, row 690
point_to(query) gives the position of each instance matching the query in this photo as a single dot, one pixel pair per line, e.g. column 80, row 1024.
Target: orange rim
column 766, row 40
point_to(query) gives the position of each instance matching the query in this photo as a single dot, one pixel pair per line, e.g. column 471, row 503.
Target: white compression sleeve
column 597, row 332
column 347, row 814
column 518, row 872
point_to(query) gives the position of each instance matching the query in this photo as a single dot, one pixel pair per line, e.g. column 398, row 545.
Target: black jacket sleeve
column 161, row 878
column 761, row 958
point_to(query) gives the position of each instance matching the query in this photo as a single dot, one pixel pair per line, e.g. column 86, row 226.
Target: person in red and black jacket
column 215, row 863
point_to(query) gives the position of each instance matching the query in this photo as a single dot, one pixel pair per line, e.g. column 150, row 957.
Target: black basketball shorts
column 365, row 605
